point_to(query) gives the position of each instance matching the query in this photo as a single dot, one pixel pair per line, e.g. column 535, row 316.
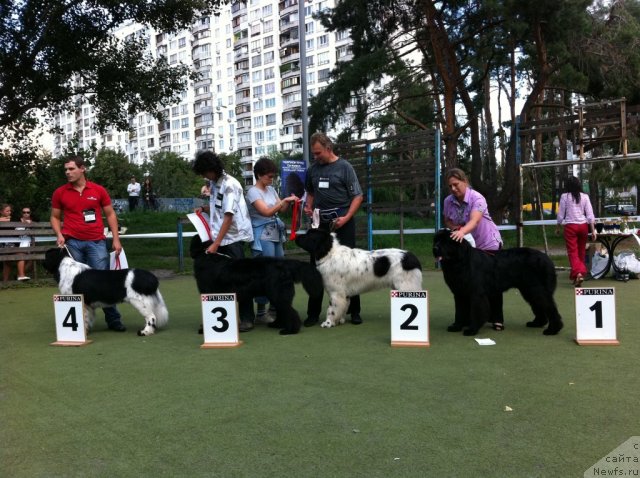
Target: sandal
column 498, row 326
column 578, row 280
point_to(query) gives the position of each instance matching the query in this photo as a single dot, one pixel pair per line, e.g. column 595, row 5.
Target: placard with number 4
column 69, row 313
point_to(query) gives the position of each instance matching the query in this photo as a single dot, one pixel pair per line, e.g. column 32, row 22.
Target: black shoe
column 245, row 326
column 117, row 327
column 311, row 321
column 356, row 319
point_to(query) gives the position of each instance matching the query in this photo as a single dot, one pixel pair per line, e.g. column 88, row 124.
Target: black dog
column 478, row 279
column 272, row 277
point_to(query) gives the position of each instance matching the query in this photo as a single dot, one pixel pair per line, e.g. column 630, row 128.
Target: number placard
column 596, row 316
column 219, row 321
column 69, row 313
column 409, row 318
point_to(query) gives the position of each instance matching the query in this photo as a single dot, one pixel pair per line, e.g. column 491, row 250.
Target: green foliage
column 113, row 171
column 47, row 43
column 171, row 176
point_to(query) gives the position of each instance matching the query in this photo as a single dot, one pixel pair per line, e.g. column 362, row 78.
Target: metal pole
column 303, row 82
column 180, row 254
column 369, row 199
column 438, row 175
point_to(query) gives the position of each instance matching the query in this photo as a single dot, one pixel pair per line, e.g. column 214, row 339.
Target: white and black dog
column 347, row 272
column 101, row 288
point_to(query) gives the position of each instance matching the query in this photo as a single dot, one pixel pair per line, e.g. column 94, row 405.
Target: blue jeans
column 269, row 249
column 95, row 255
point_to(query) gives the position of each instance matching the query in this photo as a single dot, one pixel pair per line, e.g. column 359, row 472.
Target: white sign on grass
column 220, row 320
column 409, row 318
column 69, row 314
column 596, row 316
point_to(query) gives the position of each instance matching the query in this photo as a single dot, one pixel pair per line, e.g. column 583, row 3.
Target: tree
column 55, row 51
column 113, row 171
column 172, row 176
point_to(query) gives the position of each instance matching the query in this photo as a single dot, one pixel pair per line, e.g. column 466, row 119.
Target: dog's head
column 52, row 259
column 197, row 247
column 447, row 249
column 316, row 241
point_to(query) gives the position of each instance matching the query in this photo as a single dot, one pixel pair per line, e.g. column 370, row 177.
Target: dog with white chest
column 101, row 288
column 347, row 272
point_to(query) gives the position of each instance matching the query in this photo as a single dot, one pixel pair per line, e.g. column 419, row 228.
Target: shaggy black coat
column 477, row 280
column 272, row 277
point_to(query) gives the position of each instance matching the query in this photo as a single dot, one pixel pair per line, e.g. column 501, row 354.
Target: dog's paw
column 146, row 331
column 342, row 320
column 552, row 329
column 470, row 332
column 288, row 332
column 537, row 323
column 454, row 328
column 326, row 324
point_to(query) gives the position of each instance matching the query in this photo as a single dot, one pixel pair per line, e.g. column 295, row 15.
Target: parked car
column 621, row 209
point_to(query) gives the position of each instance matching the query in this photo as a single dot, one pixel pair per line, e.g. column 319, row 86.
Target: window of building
column 323, row 58
column 271, row 119
column 269, row 73
column 270, row 103
column 268, row 57
column 323, row 41
column 270, row 88
column 323, row 75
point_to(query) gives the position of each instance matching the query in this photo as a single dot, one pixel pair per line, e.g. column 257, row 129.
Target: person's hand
column 198, row 210
column 60, row 240
column 212, row 249
column 116, row 246
column 457, row 235
column 292, row 198
column 308, row 210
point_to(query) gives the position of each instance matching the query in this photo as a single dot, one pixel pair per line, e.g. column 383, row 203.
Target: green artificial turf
column 324, row 403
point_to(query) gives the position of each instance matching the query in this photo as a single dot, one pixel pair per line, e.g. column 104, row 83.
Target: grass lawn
column 323, row 403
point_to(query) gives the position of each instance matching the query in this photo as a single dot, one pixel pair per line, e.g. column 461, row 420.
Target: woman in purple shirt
column 466, row 212
column 576, row 215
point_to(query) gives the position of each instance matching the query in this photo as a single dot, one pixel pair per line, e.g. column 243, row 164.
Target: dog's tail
column 160, row 310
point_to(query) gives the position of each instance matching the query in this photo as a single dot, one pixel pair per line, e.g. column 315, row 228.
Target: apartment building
column 248, row 96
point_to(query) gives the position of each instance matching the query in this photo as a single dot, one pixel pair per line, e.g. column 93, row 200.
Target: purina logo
column 401, row 294
column 596, row 291
column 623, row 461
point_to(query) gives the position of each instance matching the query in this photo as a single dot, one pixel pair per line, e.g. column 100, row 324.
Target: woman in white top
column 268, row 230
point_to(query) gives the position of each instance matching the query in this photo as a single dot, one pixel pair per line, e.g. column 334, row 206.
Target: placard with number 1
column 596, row 316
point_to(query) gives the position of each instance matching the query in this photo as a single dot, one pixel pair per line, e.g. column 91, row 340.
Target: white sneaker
column 265, row 318
column 24, row 278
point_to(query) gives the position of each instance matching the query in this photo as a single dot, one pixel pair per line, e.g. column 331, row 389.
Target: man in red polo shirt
column 81, row 204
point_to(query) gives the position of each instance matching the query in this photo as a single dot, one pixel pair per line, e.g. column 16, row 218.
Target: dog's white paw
column 327, row 323
column 342, row 320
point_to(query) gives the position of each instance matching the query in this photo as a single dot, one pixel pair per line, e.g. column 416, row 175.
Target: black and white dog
column 101, row 288
column 346, row 272
column 272, row 277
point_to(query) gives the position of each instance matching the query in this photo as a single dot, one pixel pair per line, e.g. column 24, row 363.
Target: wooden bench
column 24, row 242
